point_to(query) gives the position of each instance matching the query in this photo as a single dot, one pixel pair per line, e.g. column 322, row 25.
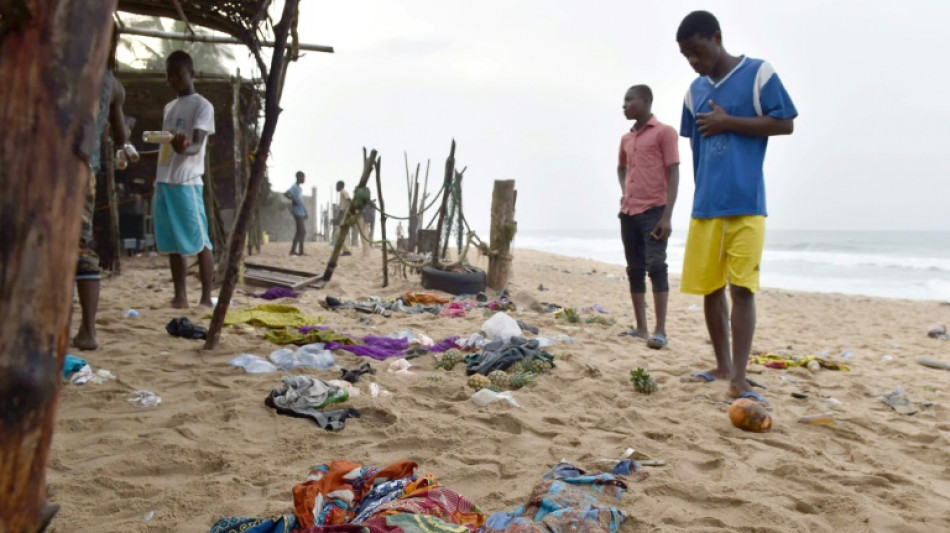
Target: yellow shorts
column 723, row 250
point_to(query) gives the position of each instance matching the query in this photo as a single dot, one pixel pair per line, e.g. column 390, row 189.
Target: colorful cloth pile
column 782, row 362
column 566, row 500
column 345, row 497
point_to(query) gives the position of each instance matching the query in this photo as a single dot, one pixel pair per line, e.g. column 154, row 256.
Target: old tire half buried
column 471, row 280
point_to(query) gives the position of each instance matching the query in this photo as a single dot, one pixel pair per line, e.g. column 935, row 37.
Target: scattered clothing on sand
column 595, row 308
column 501, row 355
column 427, row 298
column 283, row 336
column 182, row 327
column 346, row 497
column 782, row 362
column 275, row 293
column 454, row 309
column 273, row 316
column 566, row 500
column 353, row 376
column 306, row 396
column 72, row 364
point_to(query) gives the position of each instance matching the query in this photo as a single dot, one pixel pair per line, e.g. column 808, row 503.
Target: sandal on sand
column 631, row 332
column 657, row 341
column 752, row 395
column 704, row 377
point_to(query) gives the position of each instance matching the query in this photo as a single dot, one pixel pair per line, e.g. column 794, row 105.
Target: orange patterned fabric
column 425, row 298
column 332, row 492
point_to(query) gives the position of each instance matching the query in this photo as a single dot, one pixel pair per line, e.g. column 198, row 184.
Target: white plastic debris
column 486, row 396
column 144, row 398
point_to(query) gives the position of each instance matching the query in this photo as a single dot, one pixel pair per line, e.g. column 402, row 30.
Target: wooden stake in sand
column 503, row 229
column 52, row 59
column 351, row 213
column 446, row 185
column 239, row 232
column 382, row 222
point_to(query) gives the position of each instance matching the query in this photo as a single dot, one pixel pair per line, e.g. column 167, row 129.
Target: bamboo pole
column 446, row 183
column 239, row 231
column 382, row 222
column 52, row 59
column 350, row 216
column 172, row 36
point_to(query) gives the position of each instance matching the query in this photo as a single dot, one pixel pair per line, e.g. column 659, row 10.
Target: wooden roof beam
column 128, row 30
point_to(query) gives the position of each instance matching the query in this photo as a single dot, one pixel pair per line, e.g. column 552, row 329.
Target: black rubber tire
column 471, row 281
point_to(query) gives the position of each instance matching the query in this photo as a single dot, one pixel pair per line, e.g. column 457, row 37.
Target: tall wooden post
column 503, row 229
column 382, row 222
column 52, row 59
column 446, row 184
column 239, row 231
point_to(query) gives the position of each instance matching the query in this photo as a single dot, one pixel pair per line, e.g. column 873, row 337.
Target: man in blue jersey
column 729, row 113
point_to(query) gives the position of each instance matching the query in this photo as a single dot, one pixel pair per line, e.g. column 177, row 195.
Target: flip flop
column 752, row 395
column 704, row 376
column 657, row 341
column 631, row 332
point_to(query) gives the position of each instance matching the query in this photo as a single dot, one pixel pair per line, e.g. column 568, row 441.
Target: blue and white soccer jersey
column 728, row 166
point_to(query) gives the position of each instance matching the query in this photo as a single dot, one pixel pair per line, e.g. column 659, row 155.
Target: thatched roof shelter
column 234, row 17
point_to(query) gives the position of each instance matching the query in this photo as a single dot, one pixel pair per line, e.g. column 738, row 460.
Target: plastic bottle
column 159, row 137
column 131, row 152
column 817, row 420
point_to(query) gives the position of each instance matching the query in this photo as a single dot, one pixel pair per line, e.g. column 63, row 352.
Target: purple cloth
column 274, row 293
column 308, row 329
column 446, row 344
column 377, row 348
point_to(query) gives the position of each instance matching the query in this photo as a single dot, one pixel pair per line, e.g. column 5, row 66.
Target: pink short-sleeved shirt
column 646, row 154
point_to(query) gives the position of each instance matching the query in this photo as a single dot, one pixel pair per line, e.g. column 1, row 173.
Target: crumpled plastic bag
column 501, row 327
column 253, row 364
column 486, row 396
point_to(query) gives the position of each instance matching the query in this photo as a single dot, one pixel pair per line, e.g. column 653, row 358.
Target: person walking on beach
column 181, row 226
column 729, row 113
column 299, row 213
column 88, row 272
column 369, row 220
column 648, row 171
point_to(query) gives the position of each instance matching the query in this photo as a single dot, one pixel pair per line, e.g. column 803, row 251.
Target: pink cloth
column 453, row 309
column 646, row 154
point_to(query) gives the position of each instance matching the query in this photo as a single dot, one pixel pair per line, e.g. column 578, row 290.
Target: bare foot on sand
column 179, row 304
column 85, row 341
column 206, row 303
column 744, row 390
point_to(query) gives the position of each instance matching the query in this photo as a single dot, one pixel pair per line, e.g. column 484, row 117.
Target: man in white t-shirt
column 181, row 226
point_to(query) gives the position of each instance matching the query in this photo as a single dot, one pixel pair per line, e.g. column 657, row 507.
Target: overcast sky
column 532, row 91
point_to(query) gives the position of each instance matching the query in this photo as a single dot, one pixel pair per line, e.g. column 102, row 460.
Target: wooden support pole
column 52, row 59
column 503, row 229
column 239, row 231
column 382, row 222
column 349, row 217
column 446, row 183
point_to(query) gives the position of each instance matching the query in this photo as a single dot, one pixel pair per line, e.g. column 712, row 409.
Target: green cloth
column 274, row 316
column 300, row 339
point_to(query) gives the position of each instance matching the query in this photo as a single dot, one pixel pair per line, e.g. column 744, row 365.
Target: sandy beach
column 213, row 449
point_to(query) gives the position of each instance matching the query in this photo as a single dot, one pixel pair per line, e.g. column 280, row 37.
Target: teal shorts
column 181, row 226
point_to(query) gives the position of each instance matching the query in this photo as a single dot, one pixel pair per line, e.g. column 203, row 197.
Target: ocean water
column 891, row 264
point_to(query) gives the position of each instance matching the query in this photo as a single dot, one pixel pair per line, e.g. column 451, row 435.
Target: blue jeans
column 644, row 254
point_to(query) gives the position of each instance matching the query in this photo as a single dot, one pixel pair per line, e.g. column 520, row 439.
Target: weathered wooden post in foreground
column 52, row 58
column 382, row 222
column 446, row 187
column 503, row 229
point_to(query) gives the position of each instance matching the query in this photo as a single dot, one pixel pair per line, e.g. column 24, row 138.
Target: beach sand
column 213, row 449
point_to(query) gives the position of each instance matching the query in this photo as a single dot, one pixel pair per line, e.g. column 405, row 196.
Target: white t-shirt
column 184, row 115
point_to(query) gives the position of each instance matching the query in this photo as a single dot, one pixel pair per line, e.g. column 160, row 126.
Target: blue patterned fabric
column 235, row 524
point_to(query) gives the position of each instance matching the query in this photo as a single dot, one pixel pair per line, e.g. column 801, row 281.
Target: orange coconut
column 749, row 415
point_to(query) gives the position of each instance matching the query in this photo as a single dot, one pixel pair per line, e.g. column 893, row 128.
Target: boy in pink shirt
column 648, row 170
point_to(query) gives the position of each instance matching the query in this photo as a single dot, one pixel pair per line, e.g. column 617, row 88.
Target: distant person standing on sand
column 648, row 170
column 181, row 226
column 369, row 220
column 299, row 213
column 729, row 113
